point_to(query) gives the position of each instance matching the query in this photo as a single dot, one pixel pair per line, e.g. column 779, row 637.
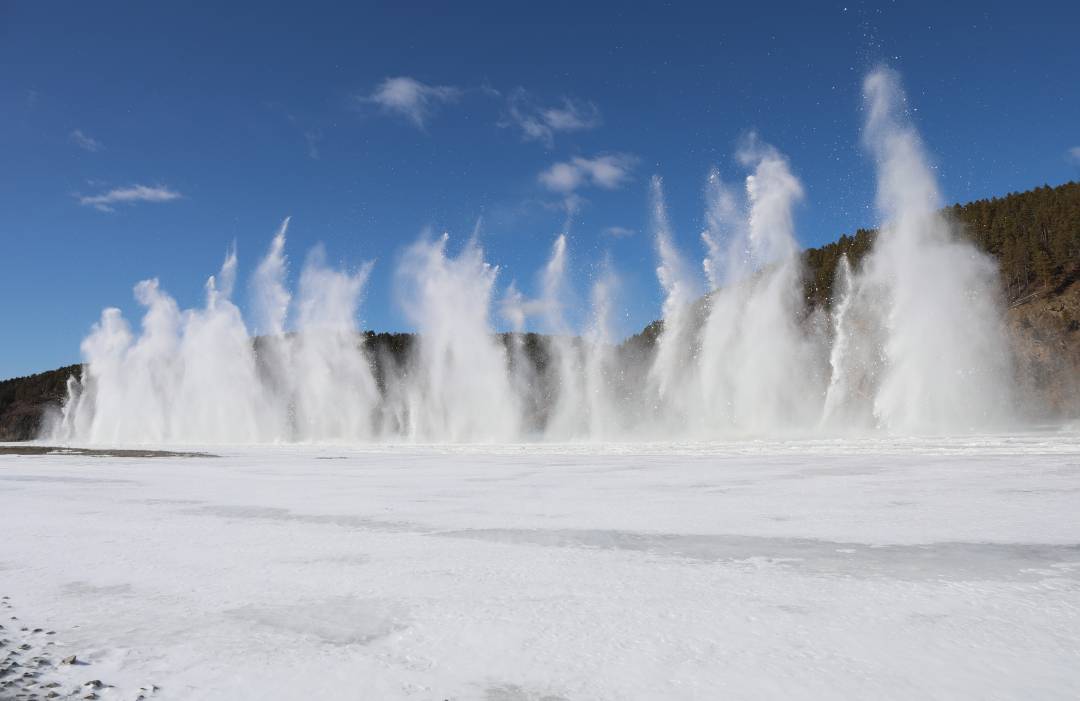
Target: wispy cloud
column 542, row 123
column 1073, row 155
column 409, row 98
column 85, row 142
column 128, row 195
column 618, row 232
column 312, row 139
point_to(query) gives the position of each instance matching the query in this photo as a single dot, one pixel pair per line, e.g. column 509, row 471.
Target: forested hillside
column 1034, row 235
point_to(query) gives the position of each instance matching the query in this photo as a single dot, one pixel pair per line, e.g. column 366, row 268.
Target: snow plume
column 724, row 233
column 579, row 368
column 460, row 388
column 572, row 399
column 912, row 341
column 946, row 364
column 758, row 371
column 334, row 390
column 272, row 297
column 195, row 376
column 321, row 381
column 188, row 377
column 603, row 418
column 566, row 362
column 670, row 375
column 773, row 191
column 854, row 355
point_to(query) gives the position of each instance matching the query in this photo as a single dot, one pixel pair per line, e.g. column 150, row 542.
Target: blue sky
column 140, row 139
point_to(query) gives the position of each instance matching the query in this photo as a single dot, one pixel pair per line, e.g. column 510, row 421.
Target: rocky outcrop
column 1045, row 331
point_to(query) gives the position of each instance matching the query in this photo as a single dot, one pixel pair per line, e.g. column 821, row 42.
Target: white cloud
column 618, row 232
column 1074, row 154
column 541, row 123
column 562, row 177
column 128, row 195
column 608, row 172
column 85, row 142
column 409, row 98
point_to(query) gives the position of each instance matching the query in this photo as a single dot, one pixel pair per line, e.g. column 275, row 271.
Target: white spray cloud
column 668, row 375
column 946, row 364
column 619, row 232
column 460, row 388
column 773, row 191
column 271, row 294
column 197, row 376
column 913, row 342
column 758, row 372
column 725, row 235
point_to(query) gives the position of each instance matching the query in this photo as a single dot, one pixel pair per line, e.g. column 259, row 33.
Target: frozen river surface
column 915, row 569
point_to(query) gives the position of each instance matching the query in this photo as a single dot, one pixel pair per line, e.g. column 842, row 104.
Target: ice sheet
column 873, row 569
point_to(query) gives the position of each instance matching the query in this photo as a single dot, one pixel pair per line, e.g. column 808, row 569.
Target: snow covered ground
column 819, row 569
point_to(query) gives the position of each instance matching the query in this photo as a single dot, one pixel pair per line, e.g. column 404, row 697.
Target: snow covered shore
column 908, row 569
